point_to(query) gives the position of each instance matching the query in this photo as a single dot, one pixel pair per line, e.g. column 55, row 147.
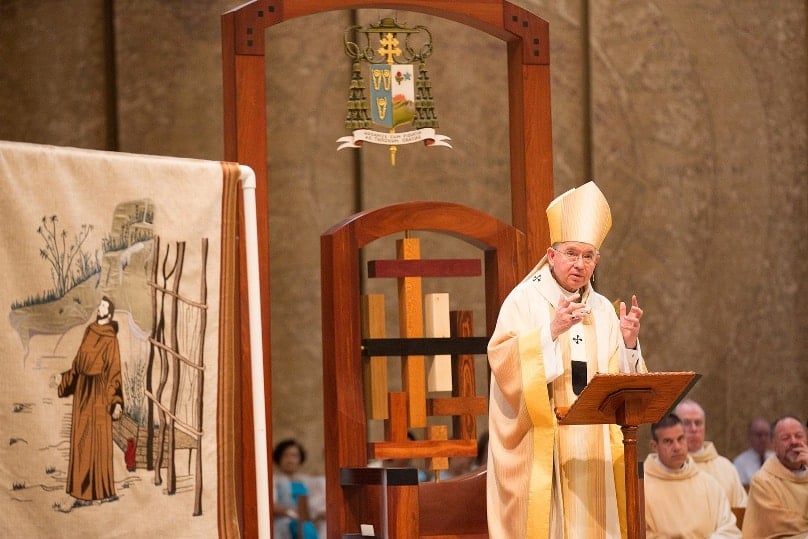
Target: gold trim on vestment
column 537, row 401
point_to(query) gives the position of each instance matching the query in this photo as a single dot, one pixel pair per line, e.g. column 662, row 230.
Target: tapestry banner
column 117, row 295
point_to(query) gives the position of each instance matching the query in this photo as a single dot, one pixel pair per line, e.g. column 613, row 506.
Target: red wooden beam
column 459, row 267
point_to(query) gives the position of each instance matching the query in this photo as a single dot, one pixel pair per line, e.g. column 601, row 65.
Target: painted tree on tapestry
column 70, row 264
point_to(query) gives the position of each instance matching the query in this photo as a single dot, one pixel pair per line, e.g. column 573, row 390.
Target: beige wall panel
column 52, row 84
column 569, row 82
column 699, row 143
column 169, row 71
column 469, row 86
column 312, row 187
column 691, row 115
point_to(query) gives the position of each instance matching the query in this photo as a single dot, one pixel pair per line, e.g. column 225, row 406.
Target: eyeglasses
column 588, row 258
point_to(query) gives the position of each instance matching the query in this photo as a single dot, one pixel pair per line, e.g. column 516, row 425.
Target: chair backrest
column 454, row 507
column 389, row 500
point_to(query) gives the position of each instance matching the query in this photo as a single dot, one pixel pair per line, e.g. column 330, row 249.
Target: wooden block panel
column 457, row 406
column 464, row 384
column 391, row 510
column 437, row 432
column 411, row 320
column 422, row 346
column 436, row 324
column 414, row 384
column 374, row 368
column 395, row 427
column 402, row 512
column 467, row 493
column 377, row 476
column 422, row 449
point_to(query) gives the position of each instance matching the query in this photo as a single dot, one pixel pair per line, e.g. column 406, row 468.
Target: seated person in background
column 317, row 504
column 482, row 450
column 681, row 500
column 750, row 461
column 778, row 492
column 705, row 455
column 458, row 466
column 463, row 465
column 288, row 484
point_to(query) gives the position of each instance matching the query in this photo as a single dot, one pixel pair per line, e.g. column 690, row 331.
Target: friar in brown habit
column 94, row 380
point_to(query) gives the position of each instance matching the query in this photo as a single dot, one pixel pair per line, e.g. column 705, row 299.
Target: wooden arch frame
column 245, row 141
column 340, row 246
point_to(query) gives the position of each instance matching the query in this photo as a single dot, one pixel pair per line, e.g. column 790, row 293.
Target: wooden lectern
column 629, row 400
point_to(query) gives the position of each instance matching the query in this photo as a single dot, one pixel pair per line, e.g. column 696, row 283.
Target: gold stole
column 580, row 451
column 537, row 401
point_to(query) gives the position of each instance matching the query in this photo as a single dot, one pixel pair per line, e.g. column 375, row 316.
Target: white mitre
column 581, row 214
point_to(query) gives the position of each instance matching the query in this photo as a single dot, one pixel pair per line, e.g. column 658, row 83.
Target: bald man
column 778, row 493
column 705, row 454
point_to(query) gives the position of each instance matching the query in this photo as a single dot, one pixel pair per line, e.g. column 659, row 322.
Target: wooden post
column 375, row 368
column 464, row 384
column 436, row 464
column 411, row 325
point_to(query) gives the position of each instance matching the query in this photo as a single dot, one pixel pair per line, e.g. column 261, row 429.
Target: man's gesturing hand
column 630, row 322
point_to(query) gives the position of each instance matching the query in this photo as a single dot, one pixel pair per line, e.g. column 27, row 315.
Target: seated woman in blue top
column 288, row 485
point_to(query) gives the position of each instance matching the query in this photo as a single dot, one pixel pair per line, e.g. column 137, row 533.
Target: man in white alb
column 705, row 454
column 681, row 500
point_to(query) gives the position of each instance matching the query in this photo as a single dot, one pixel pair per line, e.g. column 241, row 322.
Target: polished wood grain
column 464, row 381
column 411, row 325
column 425, row 268
column 503, row 248
column 245, row 141
column 628, row 400
column 466, row 492
column 375, row 368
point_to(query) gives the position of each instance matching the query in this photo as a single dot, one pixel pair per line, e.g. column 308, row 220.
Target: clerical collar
column 679, row 470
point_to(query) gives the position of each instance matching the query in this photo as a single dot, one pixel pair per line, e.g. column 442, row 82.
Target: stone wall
column 690, row 115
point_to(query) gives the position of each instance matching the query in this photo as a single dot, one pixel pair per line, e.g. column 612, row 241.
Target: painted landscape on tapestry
column 105, row 402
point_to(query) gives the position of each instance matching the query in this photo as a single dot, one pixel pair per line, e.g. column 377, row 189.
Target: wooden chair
column 392, row 500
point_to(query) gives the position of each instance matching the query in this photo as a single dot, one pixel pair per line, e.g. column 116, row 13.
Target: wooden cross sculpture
column 426, row 328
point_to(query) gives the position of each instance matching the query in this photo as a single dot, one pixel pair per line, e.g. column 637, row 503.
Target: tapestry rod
column 256, row 351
